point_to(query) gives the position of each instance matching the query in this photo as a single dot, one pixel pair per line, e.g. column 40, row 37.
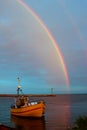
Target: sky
column 44, row 42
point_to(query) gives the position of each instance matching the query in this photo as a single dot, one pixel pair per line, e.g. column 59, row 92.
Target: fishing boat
column 22, row 107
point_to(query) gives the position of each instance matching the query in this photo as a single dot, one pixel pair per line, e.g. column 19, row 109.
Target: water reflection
column 28, row 123
column 58, row 113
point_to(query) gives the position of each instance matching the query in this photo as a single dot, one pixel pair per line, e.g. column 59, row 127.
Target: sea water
column 60, row 114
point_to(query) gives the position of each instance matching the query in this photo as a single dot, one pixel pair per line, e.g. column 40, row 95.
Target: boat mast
column 19, row 87
column 18, row 81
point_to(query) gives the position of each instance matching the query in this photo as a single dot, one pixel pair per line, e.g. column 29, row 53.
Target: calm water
column 61, row 112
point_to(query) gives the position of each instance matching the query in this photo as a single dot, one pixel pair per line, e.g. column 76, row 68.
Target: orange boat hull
column 35, row 110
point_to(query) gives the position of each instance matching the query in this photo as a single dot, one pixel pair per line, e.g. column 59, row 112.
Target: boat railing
column 35, row 102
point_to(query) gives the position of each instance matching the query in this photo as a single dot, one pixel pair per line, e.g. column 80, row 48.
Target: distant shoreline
column 31, row 95
column 40, row 95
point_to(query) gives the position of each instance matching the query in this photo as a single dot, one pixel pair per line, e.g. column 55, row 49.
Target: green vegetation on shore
column 80, row 123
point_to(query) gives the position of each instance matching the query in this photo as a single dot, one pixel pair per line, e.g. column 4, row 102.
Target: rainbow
column 55, row 45
column 71, row 20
